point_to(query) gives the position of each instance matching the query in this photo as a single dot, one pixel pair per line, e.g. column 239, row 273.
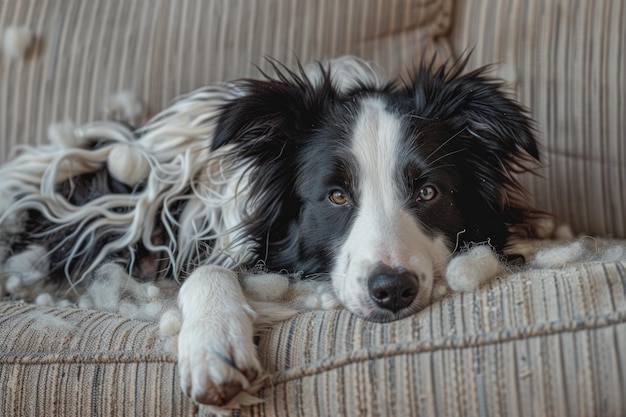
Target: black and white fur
column 331, row 170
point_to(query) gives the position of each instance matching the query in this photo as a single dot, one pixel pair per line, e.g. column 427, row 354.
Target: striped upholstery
column 159, row 49
column 546, row 343
column 71, row 362
column 567, row 62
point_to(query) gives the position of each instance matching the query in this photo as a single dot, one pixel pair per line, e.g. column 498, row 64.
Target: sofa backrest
column 565, row 60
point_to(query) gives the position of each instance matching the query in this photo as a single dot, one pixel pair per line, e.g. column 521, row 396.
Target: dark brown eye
column 338, row 197
column 427, row 193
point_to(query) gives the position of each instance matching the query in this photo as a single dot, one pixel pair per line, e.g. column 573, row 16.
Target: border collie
column 331, row 170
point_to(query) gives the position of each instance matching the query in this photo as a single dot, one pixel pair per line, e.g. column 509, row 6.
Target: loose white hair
column 170, row 156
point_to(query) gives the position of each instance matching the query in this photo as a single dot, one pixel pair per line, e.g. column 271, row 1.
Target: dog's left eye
column 427, row 193
column 338, row 197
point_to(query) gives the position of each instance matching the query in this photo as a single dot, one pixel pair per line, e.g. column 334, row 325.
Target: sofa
column 547, row 340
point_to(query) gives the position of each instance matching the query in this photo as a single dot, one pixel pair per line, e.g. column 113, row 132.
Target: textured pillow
column 567, row 62
column 548, row 342
column 88, row 50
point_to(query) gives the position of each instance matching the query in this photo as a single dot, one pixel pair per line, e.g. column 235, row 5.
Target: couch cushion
column 545, row 342
column 566, row 61
column 71, row 362
column 87, row 51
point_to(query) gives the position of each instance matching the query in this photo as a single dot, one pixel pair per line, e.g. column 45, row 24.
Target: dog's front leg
column 216, row 355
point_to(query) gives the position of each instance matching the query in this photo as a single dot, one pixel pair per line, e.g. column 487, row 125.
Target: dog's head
column 377, row 184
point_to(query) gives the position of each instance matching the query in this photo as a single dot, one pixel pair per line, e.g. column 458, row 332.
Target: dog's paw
column 217, row 362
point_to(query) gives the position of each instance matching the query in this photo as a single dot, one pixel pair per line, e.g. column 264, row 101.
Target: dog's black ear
column 492, row 138
column 477, row 104
column 270, row 111
column 265, row 125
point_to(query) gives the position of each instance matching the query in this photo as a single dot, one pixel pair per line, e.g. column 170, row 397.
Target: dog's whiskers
column 447, row 155
column 442, row 145
column 319, row 276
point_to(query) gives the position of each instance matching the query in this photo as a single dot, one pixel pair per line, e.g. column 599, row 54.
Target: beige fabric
column 70, row 362
column 545, row 343
column 158, row 49
column 567, row 62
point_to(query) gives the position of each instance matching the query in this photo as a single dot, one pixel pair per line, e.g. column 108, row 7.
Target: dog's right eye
column 427, row 193
column 338, row 197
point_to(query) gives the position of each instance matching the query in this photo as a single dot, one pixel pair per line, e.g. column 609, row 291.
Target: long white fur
column 175, row 148
column 63, row 135
column 128, row 164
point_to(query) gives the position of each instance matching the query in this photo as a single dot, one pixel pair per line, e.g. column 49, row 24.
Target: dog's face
column 378, row 185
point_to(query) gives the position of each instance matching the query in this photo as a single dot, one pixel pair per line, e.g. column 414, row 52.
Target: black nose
column 393, row 289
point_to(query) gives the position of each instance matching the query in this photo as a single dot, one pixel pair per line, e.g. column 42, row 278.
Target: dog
column 329, row 169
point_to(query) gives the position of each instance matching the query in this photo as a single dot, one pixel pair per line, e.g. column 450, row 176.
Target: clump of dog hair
column 312, row 295
column 467, row 271
column 43, row 321
column 288, row 290
column 27, row 267
column 64, row 135
column 128, row 164
column 112, row 289
column 440, row 289
column 17, row 41
column 559, row 256
column 126, row 107
column 615, row 253
column 579, row 251
column 45, row 299
column 23, row 276
column 169, row 328
column 480, row 264
column 265, row 286
column 14, row 222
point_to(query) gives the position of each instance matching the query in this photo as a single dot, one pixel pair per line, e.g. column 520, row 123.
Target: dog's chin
column 381, row 315
column 386, row 316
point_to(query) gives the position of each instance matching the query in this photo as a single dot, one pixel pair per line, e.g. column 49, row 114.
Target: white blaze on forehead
column 375, row 145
